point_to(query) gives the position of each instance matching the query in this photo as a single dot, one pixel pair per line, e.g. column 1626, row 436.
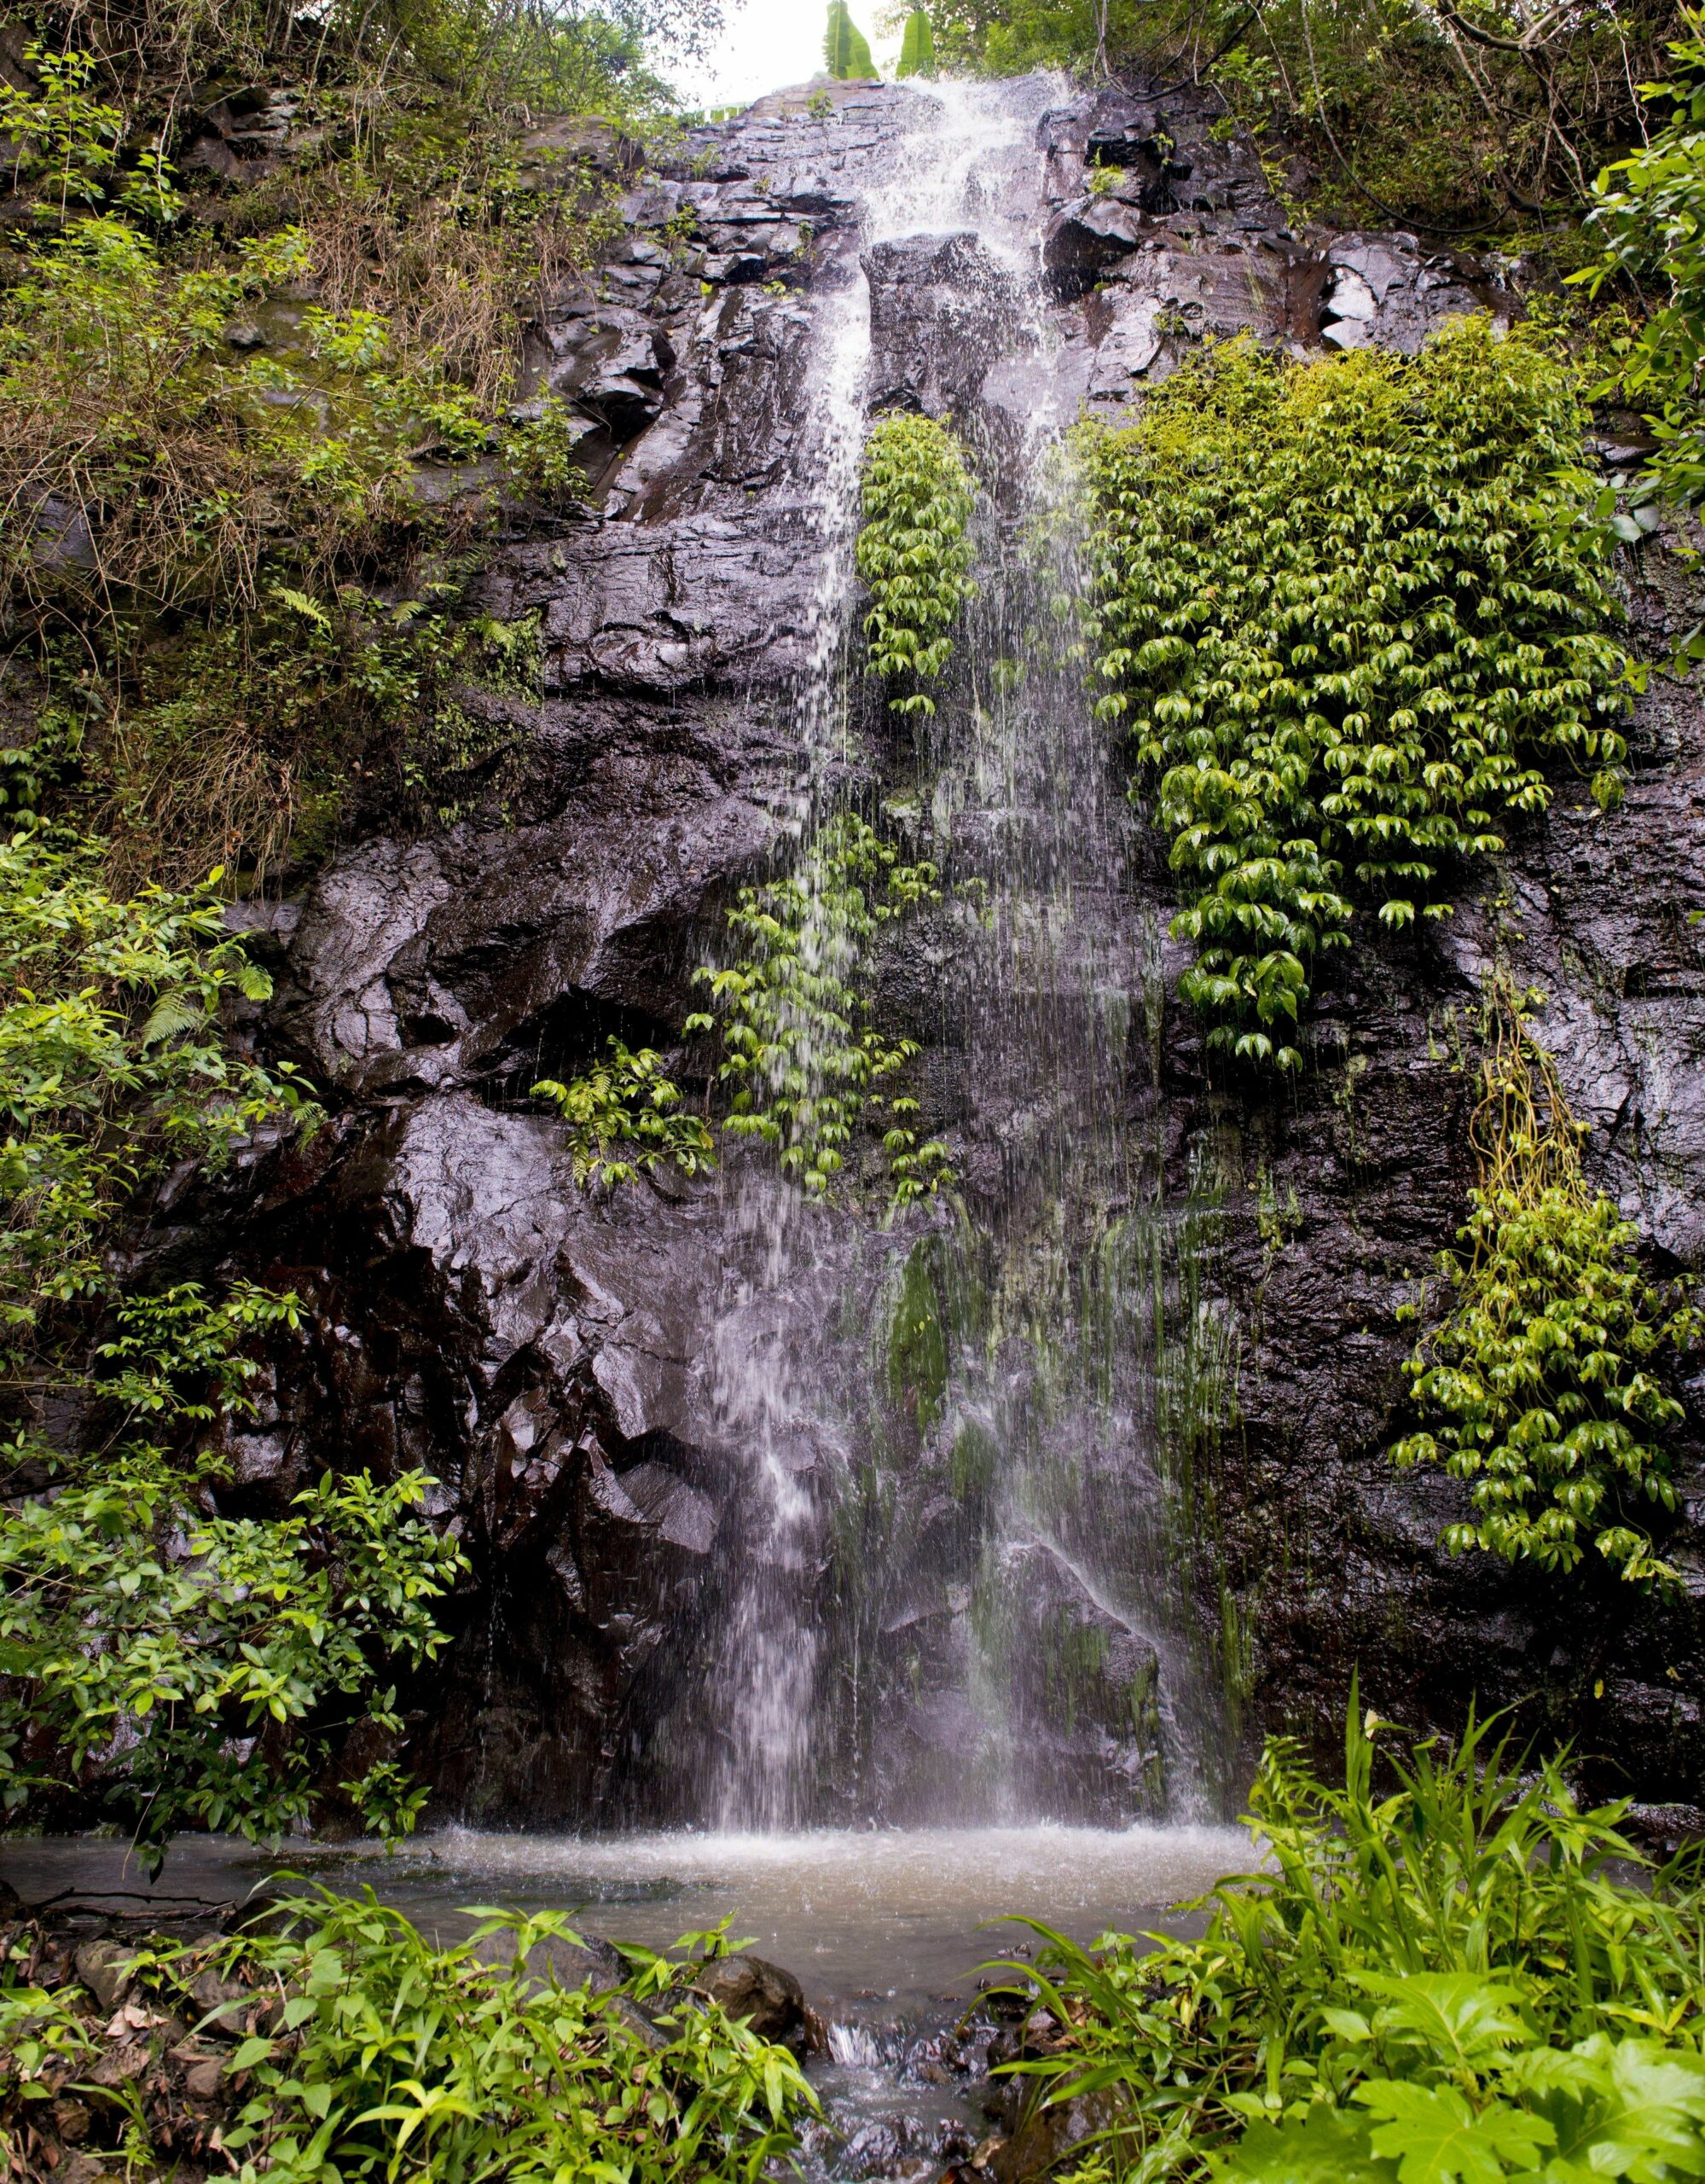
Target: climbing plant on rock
column 913, row 552
column 1347, row 608
column 918, row 45
column 1539, row 1382
column 846, row 51
column 804, row 1064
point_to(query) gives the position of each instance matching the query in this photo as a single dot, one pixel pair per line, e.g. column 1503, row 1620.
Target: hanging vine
column 1540, row 1380
column 804, row 1066
column 914, row 553
column 1347, row 608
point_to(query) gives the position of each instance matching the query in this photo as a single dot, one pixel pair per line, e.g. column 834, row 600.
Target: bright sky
column 769, row 44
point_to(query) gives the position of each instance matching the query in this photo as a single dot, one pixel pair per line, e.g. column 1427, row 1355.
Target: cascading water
column 965, row 1531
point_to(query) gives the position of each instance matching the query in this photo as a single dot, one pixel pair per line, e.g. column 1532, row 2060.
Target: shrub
column 1468, row 1976
column 1455, row 121
column 1347, row 608
column 112, row 1069
column 178, row 1662
column 1541, row 1375
column 201, row 1670
column 913, row 553
column 148, row 462
column 1648, row 213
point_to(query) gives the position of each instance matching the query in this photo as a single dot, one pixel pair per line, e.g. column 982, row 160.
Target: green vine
column 1540, row 1377
column 623, row 1119
column 1347, row 606
column 804, row 1064
column 913, row 553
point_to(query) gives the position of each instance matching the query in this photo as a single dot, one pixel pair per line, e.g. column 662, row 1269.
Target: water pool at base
column 867, row 1919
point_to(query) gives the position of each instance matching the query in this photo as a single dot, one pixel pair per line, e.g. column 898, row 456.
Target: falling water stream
column 972, row 1442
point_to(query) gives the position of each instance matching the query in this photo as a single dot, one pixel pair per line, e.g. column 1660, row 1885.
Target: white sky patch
column 770, row 44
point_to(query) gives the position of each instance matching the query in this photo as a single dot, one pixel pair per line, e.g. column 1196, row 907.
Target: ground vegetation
column 1448, row 1971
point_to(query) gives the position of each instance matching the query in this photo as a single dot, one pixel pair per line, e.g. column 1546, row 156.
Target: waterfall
column 967, row 1447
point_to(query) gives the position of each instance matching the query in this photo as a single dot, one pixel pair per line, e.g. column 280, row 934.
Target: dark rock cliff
column 543, row 1352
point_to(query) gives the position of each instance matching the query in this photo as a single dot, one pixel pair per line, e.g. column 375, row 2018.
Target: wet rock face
column 547, row 1354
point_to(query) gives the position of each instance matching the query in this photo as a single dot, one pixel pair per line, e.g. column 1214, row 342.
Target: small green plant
column 1541, row 1376
column 62, row 138
column 846, row 50
column 542, row 454
column 1457, row 1978
column 914, row 551
column 805, row 1071
column 623, row 1119
column 918, row 45
column 1347, row 608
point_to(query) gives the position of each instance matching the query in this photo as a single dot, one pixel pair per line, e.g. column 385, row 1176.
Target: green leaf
column 1326, row 2147
column 917, row 46
column 846, row 53
column 1436, row 2138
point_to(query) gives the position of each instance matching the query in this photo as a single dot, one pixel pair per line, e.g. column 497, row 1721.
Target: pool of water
column 885, row 1929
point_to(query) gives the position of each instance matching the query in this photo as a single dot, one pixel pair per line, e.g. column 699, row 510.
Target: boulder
column 105, row 1969
column 760, row 1994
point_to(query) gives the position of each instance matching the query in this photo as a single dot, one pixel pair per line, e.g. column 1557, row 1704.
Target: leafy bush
column 176, row 1660
column 805, row 1073
column 913, row 551
column 112, row 1069
column 624, row 1118
column 1541, row 1375
column 148, row 461
column 369, row 2054
column 186, row 1665
column 1467, row 1977
column 1347, row 606
column 1648, row 212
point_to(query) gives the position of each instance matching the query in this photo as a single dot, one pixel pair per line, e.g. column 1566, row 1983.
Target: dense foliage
column 1348, row 609
column 209, row 1679
column 242, row 416
column 1462, row 1977
column 1648, row 212
column 915, row 553
column 624, row 1118
column 1453, row 119
column 805, row 1067
column 1541, row 1379
column 113, row 1068
column 364, row 2053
